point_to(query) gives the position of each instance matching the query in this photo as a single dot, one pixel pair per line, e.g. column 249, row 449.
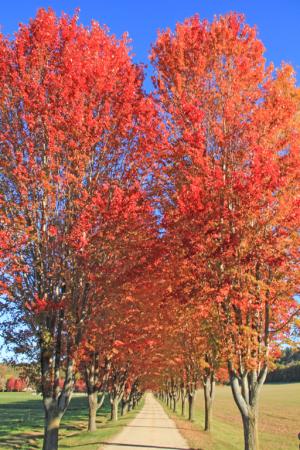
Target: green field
column 279, row 421
column 21, row 423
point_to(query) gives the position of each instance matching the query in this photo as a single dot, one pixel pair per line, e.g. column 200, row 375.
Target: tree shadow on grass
column 105, row 429
column 22, row 421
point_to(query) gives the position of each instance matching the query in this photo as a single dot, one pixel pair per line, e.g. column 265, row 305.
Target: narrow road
column 150, row 429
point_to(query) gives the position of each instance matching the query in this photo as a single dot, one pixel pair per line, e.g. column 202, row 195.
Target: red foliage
column 80, row 386
column 78, row 134
column 232, row 221
column 10, row 384
column 232, row 194
column 15, row 384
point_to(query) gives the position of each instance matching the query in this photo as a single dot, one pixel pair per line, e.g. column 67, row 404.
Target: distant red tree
column 10, row 384
column 80, row 386
column 15, row 384
column 20, row 385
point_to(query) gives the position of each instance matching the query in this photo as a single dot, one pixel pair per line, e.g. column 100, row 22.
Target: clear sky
column 277, row 20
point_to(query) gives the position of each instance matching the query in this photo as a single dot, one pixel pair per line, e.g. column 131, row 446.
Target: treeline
column 6, row 372
column 284, row 374
column 287, row 368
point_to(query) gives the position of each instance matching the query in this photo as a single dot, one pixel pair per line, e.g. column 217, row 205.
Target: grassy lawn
column 21, row 423
column 279, row 421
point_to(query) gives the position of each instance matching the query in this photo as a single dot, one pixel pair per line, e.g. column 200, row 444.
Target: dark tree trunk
column 52, row 422
column 209, row 394
column 50, row 437
column 55, row 400
column 191, row 406
column 174, row 403
column 183, row 398
column 183, row 406
column 124, row 406
column 95, row 388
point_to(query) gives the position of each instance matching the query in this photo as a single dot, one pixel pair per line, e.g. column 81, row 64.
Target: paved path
column 150, row 429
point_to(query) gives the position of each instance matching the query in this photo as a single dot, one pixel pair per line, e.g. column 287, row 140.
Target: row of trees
column 233, row 213
column 285, row 374
column 147, row 240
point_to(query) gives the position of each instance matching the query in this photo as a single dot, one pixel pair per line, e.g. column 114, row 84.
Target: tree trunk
column 52, row 422
column 114, row 410
column 134, row 402
column 250, row 430
column 93, row 407
column 209, row 393
column 191, row 406
column 246, row 389
column 174, row 404
column 124, row 407
column 183, row 405
column 54, row 406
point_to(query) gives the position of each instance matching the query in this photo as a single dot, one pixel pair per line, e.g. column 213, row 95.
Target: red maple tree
column 234, row 199
column 73, row 117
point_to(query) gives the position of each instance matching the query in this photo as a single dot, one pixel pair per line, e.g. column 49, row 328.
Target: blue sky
column 277, row 21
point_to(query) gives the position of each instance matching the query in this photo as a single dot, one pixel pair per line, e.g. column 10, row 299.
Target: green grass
column 279, row 422
column 21, row 423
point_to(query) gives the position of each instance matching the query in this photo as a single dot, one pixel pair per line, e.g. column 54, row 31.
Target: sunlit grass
column 279, row 421
column 21, row 424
